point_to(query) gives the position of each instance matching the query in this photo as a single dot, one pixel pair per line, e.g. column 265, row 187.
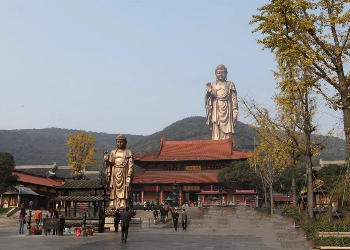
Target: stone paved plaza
column 217, row 229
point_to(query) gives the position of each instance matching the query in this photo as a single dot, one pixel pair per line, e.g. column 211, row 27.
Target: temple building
column 30, row 187
column 191, row 166
column 39, row 183
column 57, row 173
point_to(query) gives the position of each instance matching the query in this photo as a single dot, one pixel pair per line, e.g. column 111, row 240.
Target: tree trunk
column 294, row 189
column 310, row 193
column 271, row 199
column 265, row 193
column 346, row 119
column 308, row 129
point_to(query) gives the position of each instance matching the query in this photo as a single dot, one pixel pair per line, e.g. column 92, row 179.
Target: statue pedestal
column 109, row 217
column 110, row 211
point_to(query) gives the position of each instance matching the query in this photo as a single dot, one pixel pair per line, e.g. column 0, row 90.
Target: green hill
column 192, row 128
column 45, row 146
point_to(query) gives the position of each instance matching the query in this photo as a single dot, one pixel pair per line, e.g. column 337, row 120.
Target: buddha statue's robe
column 221, row 109
column 121, row 170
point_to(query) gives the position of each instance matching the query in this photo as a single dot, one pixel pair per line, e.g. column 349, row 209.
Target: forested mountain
column 45, row 146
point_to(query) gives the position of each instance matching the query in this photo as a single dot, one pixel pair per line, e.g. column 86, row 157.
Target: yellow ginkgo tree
column 286, row 135
column 268, row 160
column 313, row 36
column 81, row 152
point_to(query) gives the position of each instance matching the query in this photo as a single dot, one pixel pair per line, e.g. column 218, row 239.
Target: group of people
column 147, row 205
column 164, row 211
column 125, row 218
column 37, row 217
column 175, row 216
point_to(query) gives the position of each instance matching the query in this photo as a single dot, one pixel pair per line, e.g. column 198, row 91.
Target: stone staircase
column 275, row 231
column 146, row 219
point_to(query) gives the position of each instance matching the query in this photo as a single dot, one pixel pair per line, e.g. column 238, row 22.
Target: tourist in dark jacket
column 162, row 214
column 155, row 214
column 175, row 216
column 184, row 219
column 55, row 215
column 125, row 217
column 116, row 220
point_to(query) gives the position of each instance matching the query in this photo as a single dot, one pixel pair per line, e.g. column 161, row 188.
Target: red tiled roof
column 35, row 179
column 194, row 150
column 148, row 177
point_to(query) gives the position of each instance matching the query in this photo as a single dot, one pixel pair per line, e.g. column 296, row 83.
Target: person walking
column 166, row 207
column 148, row 205
column 144, row 205
column 22, row 219
column 184, row 220
column 152, row 206
column 37, row 217
column 56, row 216
column 175, row 218
column 116, row 220
column 125, row 218
column 31, row 205
column 155, row 214
column 162, row 214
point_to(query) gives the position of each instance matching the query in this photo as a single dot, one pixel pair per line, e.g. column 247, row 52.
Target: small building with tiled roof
column 192, row 165
column 77, row 197
column 57, row 173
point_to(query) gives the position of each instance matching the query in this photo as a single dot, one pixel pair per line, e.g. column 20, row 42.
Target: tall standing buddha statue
column 221, row 105
column 119, row 173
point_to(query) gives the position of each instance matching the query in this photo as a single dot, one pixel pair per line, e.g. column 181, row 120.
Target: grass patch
column 265, row 210
column 5, row 210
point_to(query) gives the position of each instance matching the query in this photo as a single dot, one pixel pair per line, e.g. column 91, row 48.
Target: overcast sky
column 127, row 66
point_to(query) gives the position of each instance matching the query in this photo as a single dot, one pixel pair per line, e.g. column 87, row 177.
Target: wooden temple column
column 75, row 209
column 180, row 196
column 142, row 195
column 89, row 213
column 59, row 208
column 95, row 209
column 36, row 203
column 65, row 209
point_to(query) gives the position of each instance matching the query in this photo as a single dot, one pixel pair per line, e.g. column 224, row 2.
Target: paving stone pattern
column 214, row 229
